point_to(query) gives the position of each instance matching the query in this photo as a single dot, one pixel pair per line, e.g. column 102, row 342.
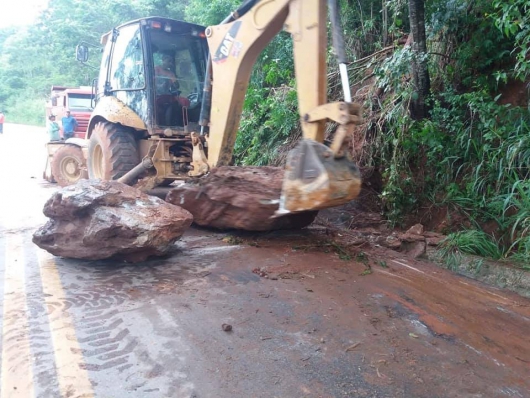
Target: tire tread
column 119, row 149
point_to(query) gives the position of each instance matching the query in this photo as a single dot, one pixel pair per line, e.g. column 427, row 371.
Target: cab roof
column 176, row 26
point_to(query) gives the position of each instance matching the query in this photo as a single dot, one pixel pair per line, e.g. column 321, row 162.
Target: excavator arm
column 316, row 176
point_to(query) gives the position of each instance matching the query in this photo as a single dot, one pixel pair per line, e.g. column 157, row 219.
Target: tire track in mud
column 116, row 341
column 72, row 377
column 83, row 325
column 17, row 364
column 45, row 376
column 100, row 303
column 103, row 341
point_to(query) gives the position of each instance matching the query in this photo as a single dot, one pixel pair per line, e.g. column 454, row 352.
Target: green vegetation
column 468, row 242
column 470, row 155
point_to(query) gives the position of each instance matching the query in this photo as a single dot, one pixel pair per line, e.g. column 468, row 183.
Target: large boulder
column 97, row 219
column 233, row 197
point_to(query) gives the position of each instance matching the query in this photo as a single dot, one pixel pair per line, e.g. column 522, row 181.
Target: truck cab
column 77, row 100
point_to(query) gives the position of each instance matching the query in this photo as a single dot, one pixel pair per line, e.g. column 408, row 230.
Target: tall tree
column 420, row 72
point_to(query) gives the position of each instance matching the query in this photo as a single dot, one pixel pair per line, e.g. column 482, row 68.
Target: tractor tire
column 112, row 152
column 68, row 165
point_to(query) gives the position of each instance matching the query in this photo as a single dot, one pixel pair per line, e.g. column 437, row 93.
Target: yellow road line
column 17, row 361
column 71, row 375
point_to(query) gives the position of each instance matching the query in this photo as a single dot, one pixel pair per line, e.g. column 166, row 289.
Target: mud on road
column 306, row 319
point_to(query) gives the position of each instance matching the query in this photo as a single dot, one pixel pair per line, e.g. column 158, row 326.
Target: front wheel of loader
column 112, row 152
column 68, row 165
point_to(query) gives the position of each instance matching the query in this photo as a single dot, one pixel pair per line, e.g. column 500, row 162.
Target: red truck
column 65, row 163
column 77, row 100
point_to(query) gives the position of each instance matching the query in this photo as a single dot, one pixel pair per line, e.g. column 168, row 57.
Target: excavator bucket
column 314, row 179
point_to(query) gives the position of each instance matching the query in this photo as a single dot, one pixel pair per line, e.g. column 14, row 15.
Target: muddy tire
column 112, row 152
column 68, row 165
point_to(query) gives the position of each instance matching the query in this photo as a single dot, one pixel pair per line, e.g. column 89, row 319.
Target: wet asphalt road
column 316, row 329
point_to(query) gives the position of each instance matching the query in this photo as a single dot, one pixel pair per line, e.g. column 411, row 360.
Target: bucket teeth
column 315, row 179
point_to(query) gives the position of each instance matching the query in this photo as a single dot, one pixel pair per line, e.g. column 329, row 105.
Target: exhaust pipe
column 132, row 175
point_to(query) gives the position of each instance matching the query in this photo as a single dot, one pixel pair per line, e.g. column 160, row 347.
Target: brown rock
column 390, row 241
column 414, row 249
column 435, row 240
column 431, row 234
column 96, row 219
column 406, row 237
column 237, row 198
column 416, row 229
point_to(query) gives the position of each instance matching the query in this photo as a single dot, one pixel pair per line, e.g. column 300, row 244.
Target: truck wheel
column 68, row 165
column 112, row 152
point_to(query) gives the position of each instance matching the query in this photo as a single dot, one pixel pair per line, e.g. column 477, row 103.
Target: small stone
column 434, row 240
column 406, row 237
column 226, row 327
column 416, row 229
column 391, row 241
column 415, row 249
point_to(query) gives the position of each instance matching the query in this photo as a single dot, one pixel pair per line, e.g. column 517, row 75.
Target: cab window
column 127, row 69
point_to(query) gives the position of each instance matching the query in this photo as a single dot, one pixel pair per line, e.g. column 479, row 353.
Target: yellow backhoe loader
column 170, row 94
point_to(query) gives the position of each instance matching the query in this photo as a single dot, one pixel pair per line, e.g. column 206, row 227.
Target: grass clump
column 470, row 241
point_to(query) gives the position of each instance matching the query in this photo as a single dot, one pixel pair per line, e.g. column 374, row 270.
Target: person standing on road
column 2, row 118
column 53, row 129
column 69, row 125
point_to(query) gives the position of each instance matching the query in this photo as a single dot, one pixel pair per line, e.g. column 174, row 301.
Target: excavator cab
column 179, row 63
column 148, row 100
column 155, row 68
